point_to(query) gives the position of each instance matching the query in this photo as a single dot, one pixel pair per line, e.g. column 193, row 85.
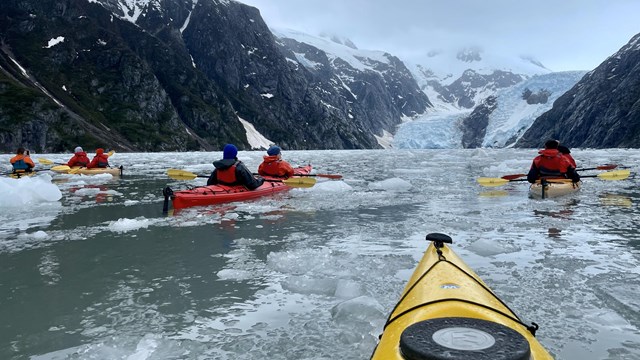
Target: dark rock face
column 600, row 111
column 377, row 97
column 474, row 126
column 178, row 79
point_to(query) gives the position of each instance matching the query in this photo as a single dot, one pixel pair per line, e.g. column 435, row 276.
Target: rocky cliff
column 158, row 75
column 602, row 110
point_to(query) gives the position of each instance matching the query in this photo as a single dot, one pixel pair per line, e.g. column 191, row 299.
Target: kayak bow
column 447, row 312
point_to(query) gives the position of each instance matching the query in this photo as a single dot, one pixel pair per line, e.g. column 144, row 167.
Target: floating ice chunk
column 331, row 186
column 87, row 191
column 348, row 289
column 234, row 274
column 130, row 202
column 362, row 308
column 307, row 285
column 124, row 225
column 145, row 348
column 489, row 247
column 40, row 235
column 28, row 190
column 393, row 184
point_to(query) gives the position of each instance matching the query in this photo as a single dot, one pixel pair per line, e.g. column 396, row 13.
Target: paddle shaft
column 329, row 176
column 601, row 167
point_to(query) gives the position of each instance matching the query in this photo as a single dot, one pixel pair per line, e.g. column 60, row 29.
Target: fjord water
column 313, row 273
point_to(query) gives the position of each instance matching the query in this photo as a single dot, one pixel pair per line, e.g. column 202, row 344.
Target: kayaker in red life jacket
column 231, row 171
column 101, row 160
column 22, row 162
column 79, row 158
column 567, row 154
column 551, row 164
column 273, row 165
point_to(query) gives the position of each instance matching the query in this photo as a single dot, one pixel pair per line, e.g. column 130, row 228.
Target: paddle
column 601, row 167
column 44, row 161
column 609, row 175
column 329, row 176
column 293, row 182
column 60, row 168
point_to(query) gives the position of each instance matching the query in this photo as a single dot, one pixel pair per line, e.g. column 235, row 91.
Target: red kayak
column 217, row 194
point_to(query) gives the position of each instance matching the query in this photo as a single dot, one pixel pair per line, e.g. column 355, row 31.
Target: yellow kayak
column 447, row 312
column 553, row 188
column 21, row 174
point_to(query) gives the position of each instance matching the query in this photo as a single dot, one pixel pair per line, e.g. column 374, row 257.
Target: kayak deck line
column 442, row 259
column 532, row 328
column 447, row 309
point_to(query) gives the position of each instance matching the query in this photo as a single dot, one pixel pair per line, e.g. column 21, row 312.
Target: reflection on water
column 607, row 199
column 314, row 272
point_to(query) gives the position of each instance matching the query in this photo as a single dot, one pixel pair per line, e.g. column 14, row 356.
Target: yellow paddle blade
column 45, row 161
column 489, row 182
column 181, row 174
column 60, row 168
column 111, row 153
column 615, row 175
column 300, row 182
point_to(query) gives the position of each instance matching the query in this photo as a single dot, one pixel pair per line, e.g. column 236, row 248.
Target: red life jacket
column 227, row 176
column 79, row 159
column 99, row 161
column 550, row 162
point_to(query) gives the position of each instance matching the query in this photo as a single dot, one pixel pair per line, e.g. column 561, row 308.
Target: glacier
column 508, row 122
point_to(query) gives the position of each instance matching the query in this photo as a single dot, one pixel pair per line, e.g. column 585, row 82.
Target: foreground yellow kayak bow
column 447, row 312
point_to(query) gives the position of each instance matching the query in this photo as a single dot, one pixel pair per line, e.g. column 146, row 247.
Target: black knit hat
column 551, row 144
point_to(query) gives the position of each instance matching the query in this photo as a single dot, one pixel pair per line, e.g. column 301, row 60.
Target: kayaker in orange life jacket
column 101, row 160
column 22, row 162
column 79, row 158
column 231, row 171
column 567, row 154
column 551, row 164
column 273, row 165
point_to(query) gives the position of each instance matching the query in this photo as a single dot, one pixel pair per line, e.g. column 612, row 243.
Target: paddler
column 101, row 160
column 273, row 165
column 79, row 158
column 551, row 164
column 231, row 171
column 22, row 162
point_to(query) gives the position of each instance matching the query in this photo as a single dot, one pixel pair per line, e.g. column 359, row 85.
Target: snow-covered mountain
column 499, row 121
column 456, row 83
column 464, row 78
column 155, row 75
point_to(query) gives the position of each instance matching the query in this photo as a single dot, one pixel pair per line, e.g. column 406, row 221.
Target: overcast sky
column 562, row 34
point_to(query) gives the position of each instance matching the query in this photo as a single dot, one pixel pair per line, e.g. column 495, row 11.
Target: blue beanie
column 229, row 151
column 273, row 150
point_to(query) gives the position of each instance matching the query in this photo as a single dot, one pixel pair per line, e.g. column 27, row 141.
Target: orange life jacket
column 272, row 166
